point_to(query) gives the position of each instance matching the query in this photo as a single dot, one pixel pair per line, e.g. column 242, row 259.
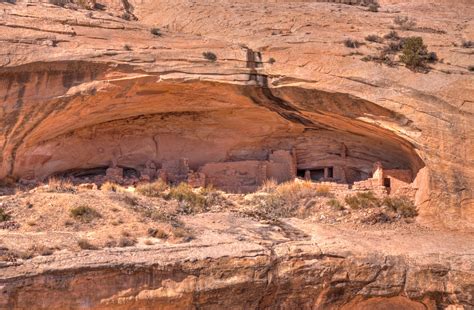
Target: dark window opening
column 331, row 172
column 300, row 173
column 386, row 182
column 317, row 174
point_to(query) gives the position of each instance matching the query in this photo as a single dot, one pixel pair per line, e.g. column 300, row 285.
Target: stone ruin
column 247, row 176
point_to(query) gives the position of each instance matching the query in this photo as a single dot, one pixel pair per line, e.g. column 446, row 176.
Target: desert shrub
column 126, row 241
column 269, row 186
column 335, row 204
column 190, row 201
column 415, row 54
column 377, row 218
column 86, row 245
column 404, row 22
column 392, row 35
column 467, row 44
column 285, row 199
column 112, row 187
column 56, row 185
column 4, row 216
column 183, row 233
column 129, row 199
column 156, row 32
column 394, row 47
column 210, row 56
column 323, row 191
column 374, row 38
column 362, row 200
column 155, row 189
column 213, row 197
column 157, row 233
column 374, row 7
column 127, row 47
column 271, row 60
column 84, row 213
column 351, row 43
column 401, row 205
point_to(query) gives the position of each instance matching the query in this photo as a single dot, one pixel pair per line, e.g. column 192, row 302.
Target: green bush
column 415, row 54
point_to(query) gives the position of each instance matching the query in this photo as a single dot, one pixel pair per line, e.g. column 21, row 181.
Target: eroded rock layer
column 78, row 93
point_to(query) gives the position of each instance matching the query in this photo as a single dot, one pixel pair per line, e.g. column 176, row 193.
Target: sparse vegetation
column 86, row 245
column 404, row 22
column 84, row 213
column 125, row 241
column 185, row 234
column 157, row 233
column 190, row 201
column 335, row 204
column 323, row 191
column 156, row 32
column 362, row 200
column 155, row 189
column 374, row 38
column 4, row 216
column 401, row 205
column 285, row 199
column 351, row 43
column 467, row 44
column 210, row 56
column 392, row 35
column 415, row 54
column 271, row 60
column 56, row 185
column 112, row 187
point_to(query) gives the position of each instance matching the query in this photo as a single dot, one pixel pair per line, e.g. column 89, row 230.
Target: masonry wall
column 238, row 177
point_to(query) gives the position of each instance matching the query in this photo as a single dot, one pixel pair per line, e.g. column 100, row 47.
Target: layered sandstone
column 242, row 264
column 86, row 87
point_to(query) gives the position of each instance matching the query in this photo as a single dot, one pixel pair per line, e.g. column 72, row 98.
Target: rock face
column 85, row 89
column 241, row 264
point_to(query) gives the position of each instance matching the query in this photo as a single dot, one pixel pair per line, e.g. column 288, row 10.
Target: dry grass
column 362, row 200
column 4, row 216
column 56, row 185
column 190, row 202
column 286, row 199
column 155, row 189
column 112, row 187
column 84, row 213
column 404, row 22
column 84, row 244
column 401, row 205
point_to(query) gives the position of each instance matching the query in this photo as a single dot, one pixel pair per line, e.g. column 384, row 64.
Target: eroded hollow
column 231, row 136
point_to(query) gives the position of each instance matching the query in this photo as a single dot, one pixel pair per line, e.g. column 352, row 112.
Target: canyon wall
column 84, row 89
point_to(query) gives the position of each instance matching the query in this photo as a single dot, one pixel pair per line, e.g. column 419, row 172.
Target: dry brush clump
column 286, row 199
column 57, row 185
column 154, row 189
column 404, row 22
column 362, row 200
column 84, row 213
